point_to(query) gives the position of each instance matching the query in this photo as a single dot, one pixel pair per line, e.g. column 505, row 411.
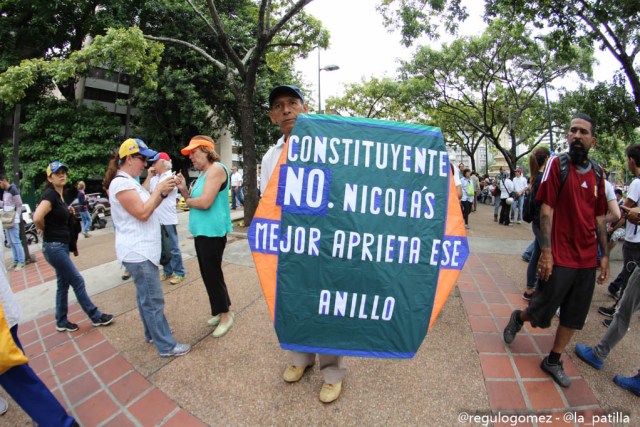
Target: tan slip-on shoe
column 293, row 373
column 330, row 392
column 223, row 328
column 214, row 321
column 176, row 279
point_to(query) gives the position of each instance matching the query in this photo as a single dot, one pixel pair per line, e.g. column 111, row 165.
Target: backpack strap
column 564, row 159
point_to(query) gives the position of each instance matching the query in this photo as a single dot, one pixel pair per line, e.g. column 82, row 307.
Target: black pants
column 466, row 209
column 505, row 209
column 209, row 251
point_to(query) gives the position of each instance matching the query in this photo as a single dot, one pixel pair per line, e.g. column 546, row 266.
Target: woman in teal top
column 209, row 222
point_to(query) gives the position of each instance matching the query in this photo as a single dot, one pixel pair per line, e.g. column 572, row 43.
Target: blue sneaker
column 629, row 383
column 586, row 355
column 178, row 350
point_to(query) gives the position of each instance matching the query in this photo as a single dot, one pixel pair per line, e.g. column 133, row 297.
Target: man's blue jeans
column 86, row 221
column 150, row 300
column 237, row 197
column 532, row 268
column 13, row 238
column 57, row 254
column 171, row 249
column 520, row 203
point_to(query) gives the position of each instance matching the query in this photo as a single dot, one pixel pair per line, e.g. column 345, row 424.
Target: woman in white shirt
column 467, row 199
column 138, row 242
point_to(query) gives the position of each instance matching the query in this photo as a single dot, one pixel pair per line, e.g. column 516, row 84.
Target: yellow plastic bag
column 10, row 353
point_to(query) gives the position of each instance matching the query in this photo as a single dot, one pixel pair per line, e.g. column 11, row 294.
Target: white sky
column 362, row 47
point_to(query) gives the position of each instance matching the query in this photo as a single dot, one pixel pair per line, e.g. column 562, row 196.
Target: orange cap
column 196, row 142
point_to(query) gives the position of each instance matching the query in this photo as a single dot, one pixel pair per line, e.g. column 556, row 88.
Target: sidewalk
column 111, row 377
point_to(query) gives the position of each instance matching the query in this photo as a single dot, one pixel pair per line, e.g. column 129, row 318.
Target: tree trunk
column 634, row 80
column 16, row 177
column 248, row 136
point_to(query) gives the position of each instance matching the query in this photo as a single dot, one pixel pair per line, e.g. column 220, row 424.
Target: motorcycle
column 30, row 232
column 98, row 220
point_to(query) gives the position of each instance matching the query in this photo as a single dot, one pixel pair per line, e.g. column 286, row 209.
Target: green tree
column 480, row 84
column 125, row 50
column 192, row 96
column 613, row 25
column 238, row 47
column 81, row 137
column 49, row 29
column 374, row 98
column 417, row 18
column 458, row 134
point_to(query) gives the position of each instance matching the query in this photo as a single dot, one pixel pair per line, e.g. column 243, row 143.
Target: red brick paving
column 513, row 377
column 98, row 386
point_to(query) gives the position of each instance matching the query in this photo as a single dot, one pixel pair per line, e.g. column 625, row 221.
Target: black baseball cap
column 290, row 89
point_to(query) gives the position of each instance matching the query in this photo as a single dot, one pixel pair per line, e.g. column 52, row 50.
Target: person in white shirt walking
column 506, row 188
column 237, row 196
column 167, row 212
column 519, row 187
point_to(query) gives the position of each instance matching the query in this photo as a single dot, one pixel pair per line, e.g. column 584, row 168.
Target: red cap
column 161, row 155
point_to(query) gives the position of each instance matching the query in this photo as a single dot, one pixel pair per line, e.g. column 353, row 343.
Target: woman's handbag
column 10, row 354
column 8, row 219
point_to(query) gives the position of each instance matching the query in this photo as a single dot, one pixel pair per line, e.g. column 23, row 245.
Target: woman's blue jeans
column 85, row 217
column 532, row 269
column 13, row 238
column 150, row 299
column 57, row 254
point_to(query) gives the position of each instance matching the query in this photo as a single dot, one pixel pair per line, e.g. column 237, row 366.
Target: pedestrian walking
column 519, row 188
column 468, row 194
column 567, row 264
column 237, row 196
column 12, row 202
column 83, row 209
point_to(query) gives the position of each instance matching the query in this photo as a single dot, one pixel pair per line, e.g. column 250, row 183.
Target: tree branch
column 202, row 17
column 194, row 47
column 222, row 38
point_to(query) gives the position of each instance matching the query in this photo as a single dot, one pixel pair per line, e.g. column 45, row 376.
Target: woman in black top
column 53, row 219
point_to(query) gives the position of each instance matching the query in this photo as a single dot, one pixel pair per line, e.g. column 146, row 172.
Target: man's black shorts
column 571, row 289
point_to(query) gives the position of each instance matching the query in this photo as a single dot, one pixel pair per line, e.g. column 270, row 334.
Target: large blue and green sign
column 354, row 229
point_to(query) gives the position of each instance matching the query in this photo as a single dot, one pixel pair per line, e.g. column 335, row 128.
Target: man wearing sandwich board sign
column 358, row 238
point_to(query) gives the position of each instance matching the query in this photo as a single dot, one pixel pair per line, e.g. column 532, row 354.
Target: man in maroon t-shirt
column 567, row 265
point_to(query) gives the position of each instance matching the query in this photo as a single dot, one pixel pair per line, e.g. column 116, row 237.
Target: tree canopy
column 479, row 86
column 374, row 98
column 81, row 137
column 242, row 37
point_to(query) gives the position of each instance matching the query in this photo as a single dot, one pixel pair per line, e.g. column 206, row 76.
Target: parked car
column 93, row 198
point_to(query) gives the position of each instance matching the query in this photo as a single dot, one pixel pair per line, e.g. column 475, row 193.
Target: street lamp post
column 330, row 67
column 527, row 65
